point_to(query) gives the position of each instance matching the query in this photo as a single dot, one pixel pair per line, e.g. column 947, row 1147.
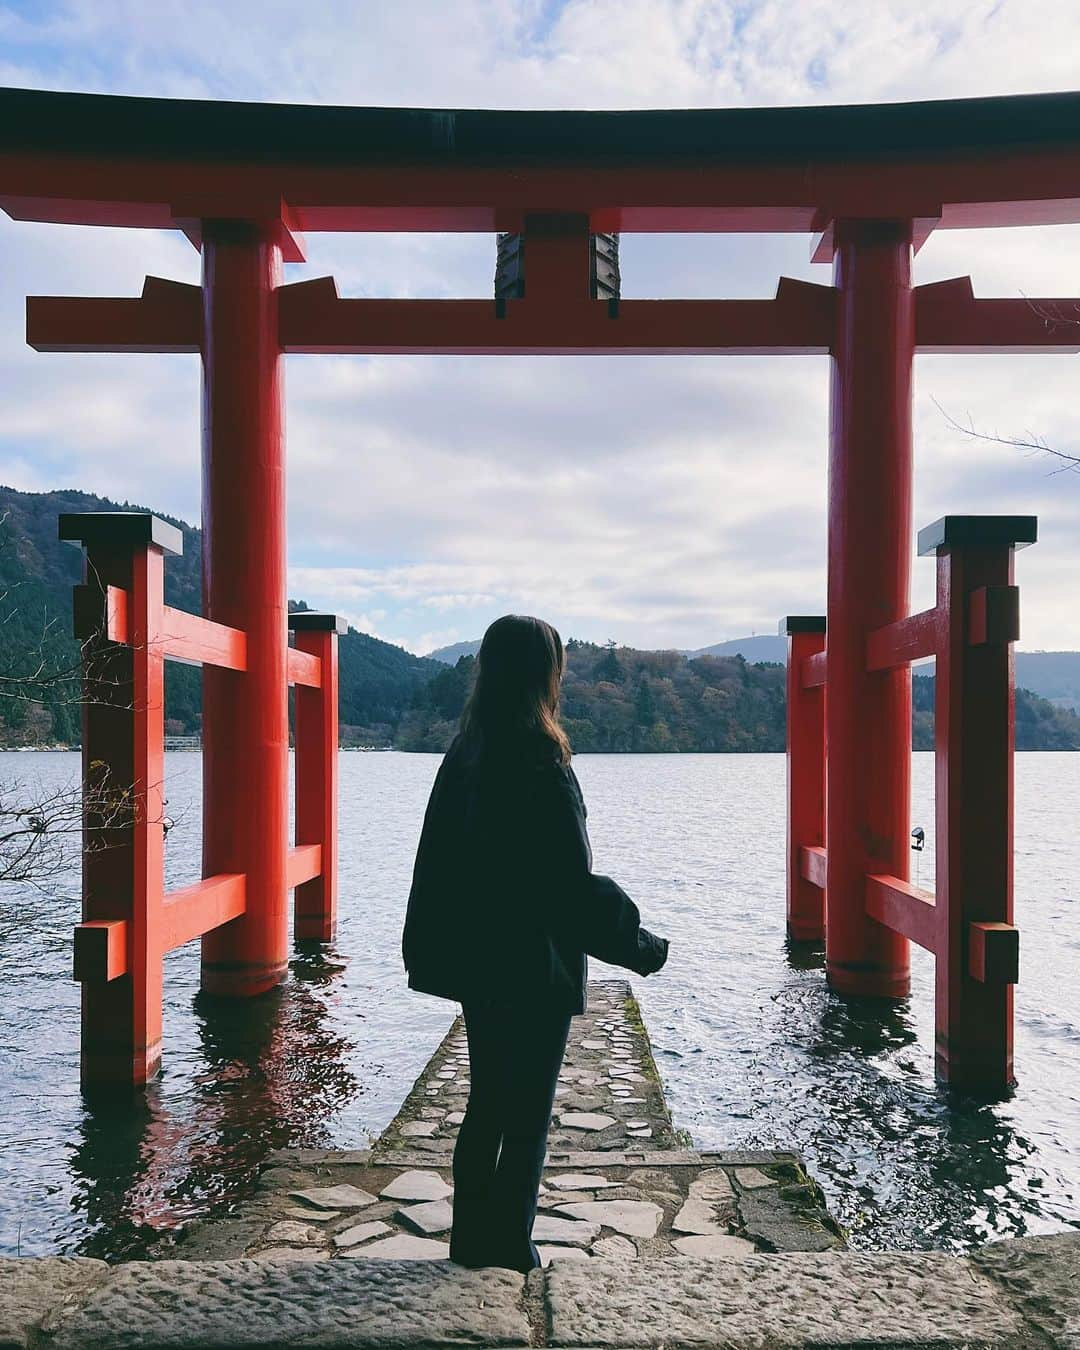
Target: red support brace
column 974, row 736
column 129, row 922
column 118, row 951
column 316, row 737
column 805, row 781
column 968, row 922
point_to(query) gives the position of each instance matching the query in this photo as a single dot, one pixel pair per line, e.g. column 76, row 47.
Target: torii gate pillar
column 246, row 737
column 868, row 715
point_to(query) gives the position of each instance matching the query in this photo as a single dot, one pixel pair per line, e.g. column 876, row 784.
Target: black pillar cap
column 307, row 621
column 118, row 530
column 802, row 623
column 978, row 532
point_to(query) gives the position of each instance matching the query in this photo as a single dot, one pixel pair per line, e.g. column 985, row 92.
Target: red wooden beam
column 812, row 862
column 314, row 319
column 194, row 910
column 948, row 318
column 304, row 668
column 102, row 946
column 167, row 318
column 200, row 642
column 304, row 862
column 815, row 670
column 149, row 162
column 904, row 908
column 185, row 637
column 910, row 639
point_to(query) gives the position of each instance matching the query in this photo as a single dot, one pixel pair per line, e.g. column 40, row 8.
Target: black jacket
column 504, row 903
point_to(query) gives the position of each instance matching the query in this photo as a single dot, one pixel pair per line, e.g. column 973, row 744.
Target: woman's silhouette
column 503, row 908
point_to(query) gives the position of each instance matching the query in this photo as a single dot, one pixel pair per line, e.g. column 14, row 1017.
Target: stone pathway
column 619, row 1181
column 608, row 1095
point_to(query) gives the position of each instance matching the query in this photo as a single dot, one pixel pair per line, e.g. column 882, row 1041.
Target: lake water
column 753, row 1049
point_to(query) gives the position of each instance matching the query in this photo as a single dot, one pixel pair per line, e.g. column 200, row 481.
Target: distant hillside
column 622, row 699
column 378, row 680
column 451, row 655
column 760, row 647
column 1052, row 675
column 613, row 698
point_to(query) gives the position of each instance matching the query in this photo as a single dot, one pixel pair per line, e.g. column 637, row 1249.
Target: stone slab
column 416, row 1185
column 696, row 1216
column 752, row 1177
column 549, row 1254
column 290, row 1254
column 360, row 1232
column 335, row 1197
column 1041, row 1277
column 713, row 1186
column 553, row 1199
column 431, row 1216
column 781, row 1227
column 407, row 1247
column 714, row 1245
column 580, row 1181
column 792, row 1300
column 548, row 1228
column 32, row 1288
column 585, row 1120
column 637, row 1218
column 614, row 1249
column 176, row 1305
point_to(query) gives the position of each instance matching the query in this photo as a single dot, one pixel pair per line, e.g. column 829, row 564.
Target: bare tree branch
column 1030, row 441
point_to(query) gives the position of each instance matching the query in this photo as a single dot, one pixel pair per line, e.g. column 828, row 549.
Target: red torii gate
column 243, row 181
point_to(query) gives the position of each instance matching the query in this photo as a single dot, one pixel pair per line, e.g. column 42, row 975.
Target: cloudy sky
column 658, row 501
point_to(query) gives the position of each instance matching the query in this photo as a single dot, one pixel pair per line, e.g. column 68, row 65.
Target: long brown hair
column 516, row 694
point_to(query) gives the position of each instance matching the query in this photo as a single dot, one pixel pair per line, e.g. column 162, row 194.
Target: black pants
column 514, row 1059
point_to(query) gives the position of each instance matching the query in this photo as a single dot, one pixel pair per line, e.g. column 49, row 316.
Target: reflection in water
column 804, row 955
column 272, row 1072
column 933, row 1157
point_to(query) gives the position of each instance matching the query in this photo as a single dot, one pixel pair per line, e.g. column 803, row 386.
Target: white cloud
column 665, row 502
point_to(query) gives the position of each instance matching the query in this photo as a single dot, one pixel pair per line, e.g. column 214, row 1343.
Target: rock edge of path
column 1018, row 1293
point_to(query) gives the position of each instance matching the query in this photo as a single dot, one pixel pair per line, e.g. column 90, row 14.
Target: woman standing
column 503, row 909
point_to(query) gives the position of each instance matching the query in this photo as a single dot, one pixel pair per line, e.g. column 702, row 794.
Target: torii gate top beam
column 102, row 159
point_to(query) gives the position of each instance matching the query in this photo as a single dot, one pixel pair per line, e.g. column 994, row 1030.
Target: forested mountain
column 618, row 698
column 613, row 698
column 1052, row 675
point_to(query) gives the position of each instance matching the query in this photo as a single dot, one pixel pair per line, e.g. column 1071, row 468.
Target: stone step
column 1020, row 1293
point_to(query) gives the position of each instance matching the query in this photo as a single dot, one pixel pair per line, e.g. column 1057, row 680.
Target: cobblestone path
column 619, row 1181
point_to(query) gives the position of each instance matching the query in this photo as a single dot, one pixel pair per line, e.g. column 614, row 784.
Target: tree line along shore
column 614, row 699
